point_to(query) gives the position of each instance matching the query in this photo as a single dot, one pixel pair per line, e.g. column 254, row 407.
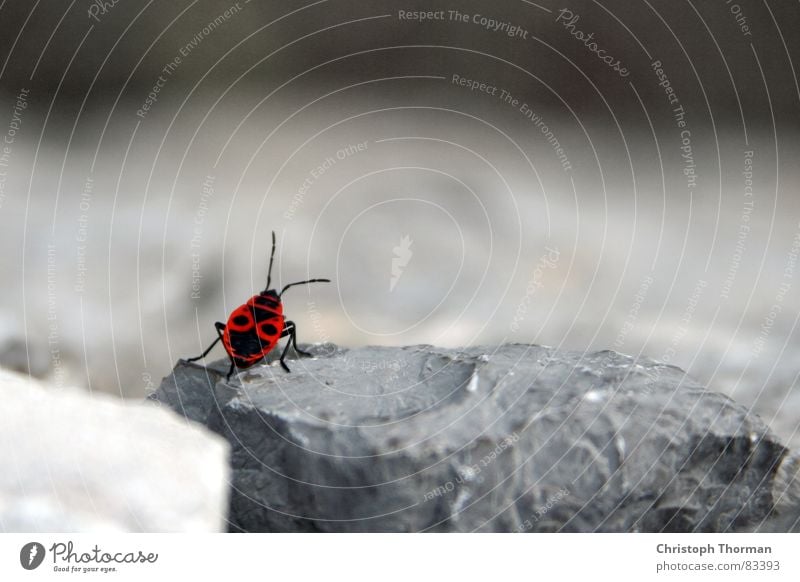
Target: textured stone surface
column 77, row 462
column 515, row 438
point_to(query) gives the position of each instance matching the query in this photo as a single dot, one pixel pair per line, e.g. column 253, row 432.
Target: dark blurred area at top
column 57, row 46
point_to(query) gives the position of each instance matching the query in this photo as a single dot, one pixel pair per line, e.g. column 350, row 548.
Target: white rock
column 73, row 461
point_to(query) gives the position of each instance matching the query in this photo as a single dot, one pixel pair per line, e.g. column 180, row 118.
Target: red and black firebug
column 253, row 329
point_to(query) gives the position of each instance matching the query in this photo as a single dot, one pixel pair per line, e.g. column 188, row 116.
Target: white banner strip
column 382, row 557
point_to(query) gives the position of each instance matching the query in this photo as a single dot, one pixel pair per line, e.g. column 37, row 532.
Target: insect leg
column 220, row 327
column 290, row 329
column 283, row 355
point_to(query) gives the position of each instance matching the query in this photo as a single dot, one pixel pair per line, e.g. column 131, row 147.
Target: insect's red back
column 254, row 328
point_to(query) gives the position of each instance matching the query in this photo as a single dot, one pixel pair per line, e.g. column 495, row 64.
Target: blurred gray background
column 150, row 149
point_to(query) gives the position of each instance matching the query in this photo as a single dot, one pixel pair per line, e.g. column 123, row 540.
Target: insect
column 253, row 329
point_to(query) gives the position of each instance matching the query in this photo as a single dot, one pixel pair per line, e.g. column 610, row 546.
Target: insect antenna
column 303, row 283
column 271, row 259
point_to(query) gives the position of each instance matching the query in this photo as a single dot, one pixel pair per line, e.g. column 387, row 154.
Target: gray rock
column 513, row 438
column 75, row 462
